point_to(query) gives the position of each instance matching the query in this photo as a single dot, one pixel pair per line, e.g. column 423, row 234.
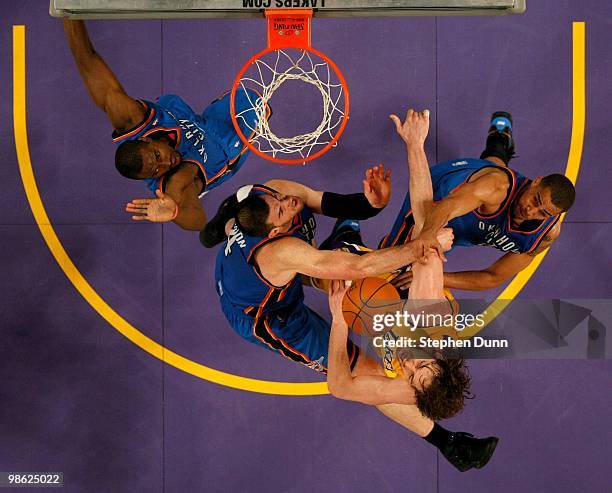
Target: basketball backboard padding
column 161, row 9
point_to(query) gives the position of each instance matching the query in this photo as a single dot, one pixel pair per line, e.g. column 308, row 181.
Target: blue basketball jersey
column 274, row 317
column 239, row 280
column 474, row 228
column 209, row 140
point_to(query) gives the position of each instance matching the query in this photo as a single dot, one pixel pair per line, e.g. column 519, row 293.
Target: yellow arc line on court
column 81, row 284
column 174, row 359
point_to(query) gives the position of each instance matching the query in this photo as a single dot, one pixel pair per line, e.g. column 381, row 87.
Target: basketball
column 366, row 298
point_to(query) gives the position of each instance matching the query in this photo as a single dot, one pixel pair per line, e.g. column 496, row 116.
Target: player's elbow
column 338, row 388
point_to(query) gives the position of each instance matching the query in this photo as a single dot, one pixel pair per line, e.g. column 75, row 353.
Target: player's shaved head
column 128, row 159
column 562, row 191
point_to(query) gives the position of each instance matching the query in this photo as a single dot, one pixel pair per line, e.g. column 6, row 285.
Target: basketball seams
column 361, row 299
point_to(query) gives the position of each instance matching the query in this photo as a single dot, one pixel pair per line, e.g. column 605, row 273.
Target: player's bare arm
column 487, row 191
column 376, row 188
column 413, row 132
column 368, row 389
column 281, row 260
column 107, row 93
column 179, row 203
column 499, row 272
column 496, row 274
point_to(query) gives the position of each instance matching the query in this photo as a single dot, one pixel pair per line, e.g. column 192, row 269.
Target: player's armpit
column 311, row 198
column 105, row 90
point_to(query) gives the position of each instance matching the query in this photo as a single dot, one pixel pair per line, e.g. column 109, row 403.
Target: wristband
column 347, row 206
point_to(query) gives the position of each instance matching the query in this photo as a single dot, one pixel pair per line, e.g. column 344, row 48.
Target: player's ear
column 274, row 232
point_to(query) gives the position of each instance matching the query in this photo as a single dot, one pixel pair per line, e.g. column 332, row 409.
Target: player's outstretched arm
column 489, row 189
column 375, row 196
column 504, row 269
column 413, row 132
column 499, row 272
column 368, row 389
column 179, row 204
column 283, row 259
column 107, row 93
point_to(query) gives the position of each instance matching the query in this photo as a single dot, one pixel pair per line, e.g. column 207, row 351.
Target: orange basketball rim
column 289, row 56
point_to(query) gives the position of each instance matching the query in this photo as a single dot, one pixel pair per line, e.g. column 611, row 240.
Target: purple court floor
column 77, row 396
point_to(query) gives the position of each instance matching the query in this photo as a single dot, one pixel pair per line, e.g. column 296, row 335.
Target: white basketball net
column 267, row 76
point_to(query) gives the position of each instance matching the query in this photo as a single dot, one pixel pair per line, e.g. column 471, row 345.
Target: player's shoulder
column 285, row 248
column 490, row 181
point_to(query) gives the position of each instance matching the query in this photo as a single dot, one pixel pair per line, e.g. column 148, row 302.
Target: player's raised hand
column 159, row 210
column 415, row 127
column 337, row 290
column 377, row 186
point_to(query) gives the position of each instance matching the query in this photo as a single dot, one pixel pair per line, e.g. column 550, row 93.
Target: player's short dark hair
column 128, row 159
column 445, row 395
column 562, row 191
column 252, row 216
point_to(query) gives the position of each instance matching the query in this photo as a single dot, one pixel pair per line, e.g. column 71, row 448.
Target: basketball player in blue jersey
column 269, row 231
column 487, row 203
column 179, row 154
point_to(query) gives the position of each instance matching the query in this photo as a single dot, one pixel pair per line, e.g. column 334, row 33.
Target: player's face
column 534, row 203
column 420, row 372
column 283, row 209
column 157, row 158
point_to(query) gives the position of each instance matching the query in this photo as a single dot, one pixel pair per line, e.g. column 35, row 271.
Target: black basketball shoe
column 464, row 451
column 500, row 142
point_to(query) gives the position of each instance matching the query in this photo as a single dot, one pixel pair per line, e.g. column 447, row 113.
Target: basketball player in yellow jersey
column 435, row 388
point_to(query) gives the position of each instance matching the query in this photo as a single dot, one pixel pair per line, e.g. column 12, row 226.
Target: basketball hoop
column 289, row 57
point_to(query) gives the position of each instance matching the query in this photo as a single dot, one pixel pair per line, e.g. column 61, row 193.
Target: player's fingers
column 426, row 113
column 440, row 252
column 141, row 201
column 159, row 193
column 402, row 281
column 409, row 113
column 396, row 120
column 139, row 218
